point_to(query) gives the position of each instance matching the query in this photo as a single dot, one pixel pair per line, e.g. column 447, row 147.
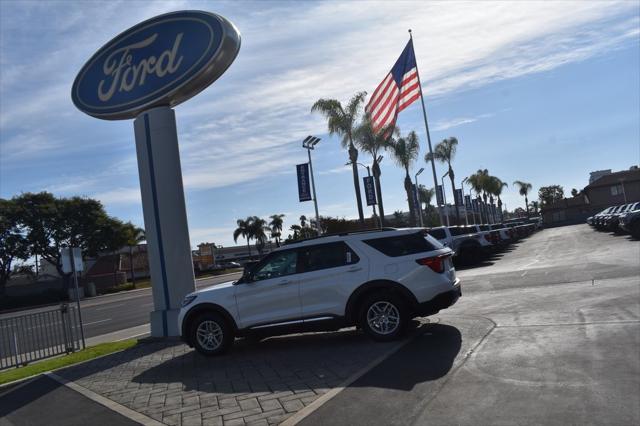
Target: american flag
column 397, row 91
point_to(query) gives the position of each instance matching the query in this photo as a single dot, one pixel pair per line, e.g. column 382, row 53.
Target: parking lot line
column 309, row 409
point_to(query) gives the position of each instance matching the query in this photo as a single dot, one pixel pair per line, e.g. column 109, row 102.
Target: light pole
column 309, row 143
column 466, row 213
column 369, row 175
column 444, row 197
column 418, row 197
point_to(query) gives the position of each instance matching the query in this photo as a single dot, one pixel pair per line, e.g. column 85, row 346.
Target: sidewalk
column 255, row 384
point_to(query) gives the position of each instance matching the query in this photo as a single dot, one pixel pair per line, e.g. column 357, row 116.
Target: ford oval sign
column 162, row 61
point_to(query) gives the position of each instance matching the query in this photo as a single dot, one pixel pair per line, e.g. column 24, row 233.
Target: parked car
column 630, row 221
column 466, row 242
column 593, row 220
column 612, row 222
column 377, row 280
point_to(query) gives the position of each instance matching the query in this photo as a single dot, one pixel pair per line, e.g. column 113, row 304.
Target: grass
column 127, row 287
column 66, row 360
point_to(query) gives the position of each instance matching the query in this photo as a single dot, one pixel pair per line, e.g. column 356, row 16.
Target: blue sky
column 538, row 91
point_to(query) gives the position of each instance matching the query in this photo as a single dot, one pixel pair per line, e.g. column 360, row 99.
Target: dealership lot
column 547, row 332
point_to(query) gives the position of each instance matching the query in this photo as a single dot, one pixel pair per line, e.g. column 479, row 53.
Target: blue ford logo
column 162, row 61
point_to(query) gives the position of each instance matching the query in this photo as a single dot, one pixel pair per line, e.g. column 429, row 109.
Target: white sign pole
column 165, row 217
column 74, row 264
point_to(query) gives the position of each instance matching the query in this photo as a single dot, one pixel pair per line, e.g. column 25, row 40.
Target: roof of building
column 615, row 178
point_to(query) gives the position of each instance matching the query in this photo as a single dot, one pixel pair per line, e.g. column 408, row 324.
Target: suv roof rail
column 340, row 234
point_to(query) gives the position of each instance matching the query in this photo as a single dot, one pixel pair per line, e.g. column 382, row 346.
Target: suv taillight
column 487, row 237
column 436, row 263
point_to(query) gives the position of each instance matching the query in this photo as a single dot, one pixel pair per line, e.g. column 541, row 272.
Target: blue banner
column 369, row 190
column 439, row 195
column 458, row 197
column 475, row 206
column 467, row 202
column 304, row 191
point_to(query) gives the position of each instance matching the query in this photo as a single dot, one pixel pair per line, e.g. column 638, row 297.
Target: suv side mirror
column 247, row 272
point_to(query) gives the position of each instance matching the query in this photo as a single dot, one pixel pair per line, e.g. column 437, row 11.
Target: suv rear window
column 458, row 230
column 401, row 245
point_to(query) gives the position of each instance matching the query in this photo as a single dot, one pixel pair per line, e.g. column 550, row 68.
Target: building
column 609, row 189
column 594, row 176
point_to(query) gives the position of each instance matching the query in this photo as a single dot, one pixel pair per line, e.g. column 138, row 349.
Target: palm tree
column 498, row 185
column 245, row 230
column 276, row 227
column 258, row 229
column 478, row 182
column 405, row 152
column 303, row 221
column 134, row 236
column 524, row 188
column 342, row 121
column 373, row 142
column 534, row 205
column 424, row 197
column 444, row 152
column 296, row 231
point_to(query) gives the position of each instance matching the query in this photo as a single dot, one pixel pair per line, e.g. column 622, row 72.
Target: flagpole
column 426, row 125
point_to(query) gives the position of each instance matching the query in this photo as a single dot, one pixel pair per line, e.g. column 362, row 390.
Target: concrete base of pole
column 165, row 217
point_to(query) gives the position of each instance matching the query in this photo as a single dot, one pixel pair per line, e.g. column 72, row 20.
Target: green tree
column 534, row 205
column 479, row 182
column 575, row 192
column 244, row 229
column 341, row 121
column 550, row 194
column 444, row 152
column 52, row 223
column 523, row 189
column 495, row 187
column 134, row 236
column 373, row 143
column 259, row 229
column 13, row 242
column 425, row 195
column 276, row 227
column 405, row 152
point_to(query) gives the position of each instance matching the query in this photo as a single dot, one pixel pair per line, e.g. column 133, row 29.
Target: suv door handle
column 285, row 282
column 354, row 269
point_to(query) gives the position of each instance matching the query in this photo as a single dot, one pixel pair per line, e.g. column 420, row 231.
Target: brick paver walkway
column 255, row 384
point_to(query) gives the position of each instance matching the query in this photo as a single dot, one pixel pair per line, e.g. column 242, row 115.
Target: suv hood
column 215, row 288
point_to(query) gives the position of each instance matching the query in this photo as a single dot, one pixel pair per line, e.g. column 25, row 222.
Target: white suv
column 376, row 280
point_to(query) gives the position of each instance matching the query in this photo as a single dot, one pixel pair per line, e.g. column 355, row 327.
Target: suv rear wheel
column 211, row 334
column 383, row 316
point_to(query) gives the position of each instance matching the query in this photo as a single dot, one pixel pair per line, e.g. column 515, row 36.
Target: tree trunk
column 249, row 248
column 133, row 272
column 453, row 187
column 353, row 156
column 376, row 177
column 407, row 188
column 526, row 205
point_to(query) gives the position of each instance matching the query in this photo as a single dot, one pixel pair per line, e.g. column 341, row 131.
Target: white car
column 377, row 280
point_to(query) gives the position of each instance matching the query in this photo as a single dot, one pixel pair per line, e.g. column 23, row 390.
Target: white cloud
column 458, row 121
column 119, row 196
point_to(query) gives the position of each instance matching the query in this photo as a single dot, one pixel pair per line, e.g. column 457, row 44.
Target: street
column 546, row 332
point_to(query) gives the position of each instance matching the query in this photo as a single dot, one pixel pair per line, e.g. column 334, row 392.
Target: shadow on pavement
column 44, row 401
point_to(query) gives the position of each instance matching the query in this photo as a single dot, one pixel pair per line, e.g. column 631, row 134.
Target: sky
column 544, row 92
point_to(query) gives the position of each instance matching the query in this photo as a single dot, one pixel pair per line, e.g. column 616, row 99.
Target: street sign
column 65, row 258
column 369, row 190
column 162, row 61
column 458, row 197
column 304, row 190
column 439, row 195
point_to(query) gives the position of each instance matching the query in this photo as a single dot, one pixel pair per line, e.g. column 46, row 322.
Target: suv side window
column 278, row 264
column 326, row 256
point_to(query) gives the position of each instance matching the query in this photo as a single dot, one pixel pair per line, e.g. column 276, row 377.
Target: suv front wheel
column 211, row 334
column 383, row 316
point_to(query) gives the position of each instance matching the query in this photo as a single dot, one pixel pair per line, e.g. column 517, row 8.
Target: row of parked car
column 622, row 219
column 470, row 243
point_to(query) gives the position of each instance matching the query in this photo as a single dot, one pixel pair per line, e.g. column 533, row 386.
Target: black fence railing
column 31, row 337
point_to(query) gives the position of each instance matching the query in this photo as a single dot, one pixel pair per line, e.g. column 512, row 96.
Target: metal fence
column 30, row 337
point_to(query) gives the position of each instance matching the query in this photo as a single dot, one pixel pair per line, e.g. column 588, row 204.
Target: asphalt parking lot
column 547, row 332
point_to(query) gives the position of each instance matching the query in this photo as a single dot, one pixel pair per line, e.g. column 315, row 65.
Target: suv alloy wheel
column 211, row 334
column 383, row 316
